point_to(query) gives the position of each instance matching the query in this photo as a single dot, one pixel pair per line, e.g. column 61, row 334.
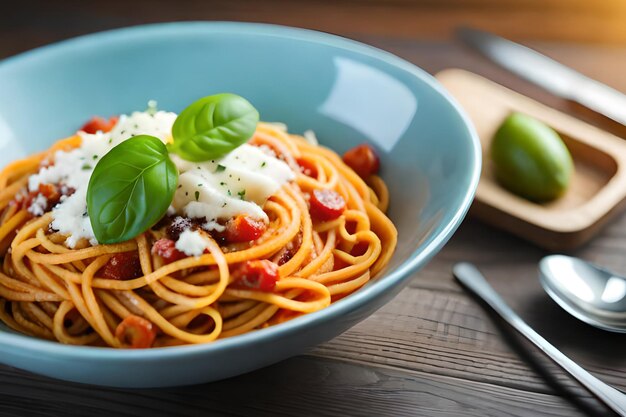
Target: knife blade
column 547, row 73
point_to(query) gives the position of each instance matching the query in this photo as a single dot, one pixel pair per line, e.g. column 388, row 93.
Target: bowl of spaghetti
column 185, row 202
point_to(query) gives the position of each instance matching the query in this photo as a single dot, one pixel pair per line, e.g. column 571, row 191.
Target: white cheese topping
column 74, row 169
column 38, row 205
column 191, row 243
column 213, row 225
column 238, row 183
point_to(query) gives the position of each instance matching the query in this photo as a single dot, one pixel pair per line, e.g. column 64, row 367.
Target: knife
column 548, row 73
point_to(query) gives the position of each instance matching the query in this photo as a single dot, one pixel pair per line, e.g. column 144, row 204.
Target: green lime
column 530, row 158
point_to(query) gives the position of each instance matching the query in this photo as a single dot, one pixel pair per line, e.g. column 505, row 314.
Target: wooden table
column 433, row 350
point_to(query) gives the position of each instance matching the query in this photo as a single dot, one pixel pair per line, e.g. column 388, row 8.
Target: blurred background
column 588, row 35
column 28, row 23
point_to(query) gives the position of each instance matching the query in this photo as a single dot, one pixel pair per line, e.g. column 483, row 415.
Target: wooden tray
column 596, row 193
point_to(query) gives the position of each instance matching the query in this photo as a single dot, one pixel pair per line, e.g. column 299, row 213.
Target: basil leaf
column 213, row 126
column 130, row 189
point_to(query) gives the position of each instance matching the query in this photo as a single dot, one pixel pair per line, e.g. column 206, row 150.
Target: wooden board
column 597, row 190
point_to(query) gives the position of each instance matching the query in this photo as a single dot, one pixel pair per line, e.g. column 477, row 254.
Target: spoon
column 589, row 293
column 472, row 279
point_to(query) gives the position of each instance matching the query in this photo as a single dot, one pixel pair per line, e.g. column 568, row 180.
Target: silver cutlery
column 472, row 279
column 549, row 74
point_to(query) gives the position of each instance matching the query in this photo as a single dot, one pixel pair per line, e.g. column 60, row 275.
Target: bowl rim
column 419, row 256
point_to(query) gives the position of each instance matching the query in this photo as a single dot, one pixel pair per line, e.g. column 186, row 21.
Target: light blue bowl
column 345, row 91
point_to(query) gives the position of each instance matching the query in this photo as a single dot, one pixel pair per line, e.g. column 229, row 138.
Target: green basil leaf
column 130, row 189
column 213, row 126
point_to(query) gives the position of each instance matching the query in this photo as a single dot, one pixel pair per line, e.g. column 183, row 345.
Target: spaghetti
column 146, row 293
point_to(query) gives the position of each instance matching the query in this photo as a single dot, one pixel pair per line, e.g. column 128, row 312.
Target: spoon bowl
column 592, row 294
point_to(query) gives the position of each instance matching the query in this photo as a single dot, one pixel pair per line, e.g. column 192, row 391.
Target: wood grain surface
column 433, row 350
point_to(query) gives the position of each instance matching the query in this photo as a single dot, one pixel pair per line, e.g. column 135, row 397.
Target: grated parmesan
column 191, row 243
column 212, row 225
column 238, row 183
column 38, row 205
column 73, row 169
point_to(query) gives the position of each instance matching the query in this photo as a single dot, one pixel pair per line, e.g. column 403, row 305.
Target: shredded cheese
column 191, row 243
column 217, row 190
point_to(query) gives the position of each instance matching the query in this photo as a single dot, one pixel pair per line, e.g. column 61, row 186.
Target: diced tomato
column 166, row 249
column 99, row 124
column 326, row 204
column 122, row 266
column 243, row 229
column 363, row 160
column 135, row 332
column 258, row 275
column 50, row 191
column 307, row 167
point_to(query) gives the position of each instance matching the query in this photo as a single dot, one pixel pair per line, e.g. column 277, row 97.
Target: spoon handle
column 471, row 278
